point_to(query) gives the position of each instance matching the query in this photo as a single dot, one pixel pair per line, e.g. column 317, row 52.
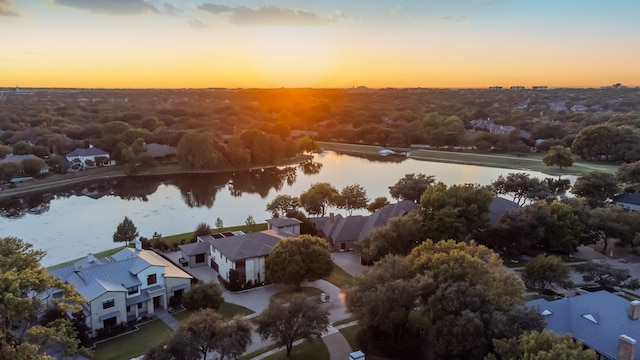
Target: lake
column 71, row 223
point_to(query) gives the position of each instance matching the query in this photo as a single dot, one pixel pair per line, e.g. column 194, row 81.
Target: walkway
column 168, row 319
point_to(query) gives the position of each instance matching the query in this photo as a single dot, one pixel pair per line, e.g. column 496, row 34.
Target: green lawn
column 132, row 344
column 339, row 277
column 345, row 321
column 349, row 333
column 227, row 310
column 305, row 351
column 286, row 294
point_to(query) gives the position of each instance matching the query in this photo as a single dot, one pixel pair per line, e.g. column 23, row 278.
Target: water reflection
column 200, row 190
column 261, row 181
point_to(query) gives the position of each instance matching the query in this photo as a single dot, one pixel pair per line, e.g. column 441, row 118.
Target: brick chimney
column 626, row 348
column 634, row 310
column 332, row 218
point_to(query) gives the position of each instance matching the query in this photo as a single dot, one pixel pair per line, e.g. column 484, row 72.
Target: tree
column 470, row 295
column 32, row 167
column 399, row 236
column 125, row 232
column 285, row 323
column 202, row 333
column 249, row 222
column 202, row 229
column 377, row 203
column 411, row 187
column 629, row 173
column 307, row 144
column 297, row 259
column 544, row 272
column 4, row 151
column 318, row 198
column 352, row 197
column 596, row 187
column 282, row 204
column 219, row 224
column 454, row 212
column 22, row 148
column 198, row 151
column 544, row 345
column 558, row 155
column 606, row 276
column 203, row 296
column 595, row 142
column 520, row 186
column 307, row 226
column 136, row 158
column 8, row 171
column 23, row 276
column 604, row 223
column 384, row 295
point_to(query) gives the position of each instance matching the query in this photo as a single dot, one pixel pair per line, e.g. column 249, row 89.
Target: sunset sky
column 328, row 43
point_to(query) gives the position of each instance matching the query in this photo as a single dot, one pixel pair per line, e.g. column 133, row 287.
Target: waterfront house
column 88, row 158
column 629, row 201
column 130, row 284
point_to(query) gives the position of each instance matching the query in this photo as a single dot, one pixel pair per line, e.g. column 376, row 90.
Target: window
column 110, row 322
column 199, row 258
column 151, row 279
column 128, row 308
column 107, row 304
column 132, row 290
column 139, row 305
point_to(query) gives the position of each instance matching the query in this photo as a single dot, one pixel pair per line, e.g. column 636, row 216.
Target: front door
column 157, row 302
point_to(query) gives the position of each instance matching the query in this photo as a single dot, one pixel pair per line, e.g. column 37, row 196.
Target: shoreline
column 116, row 172
column 518, row 163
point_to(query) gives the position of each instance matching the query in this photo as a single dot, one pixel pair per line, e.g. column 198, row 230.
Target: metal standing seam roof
column 597, row 319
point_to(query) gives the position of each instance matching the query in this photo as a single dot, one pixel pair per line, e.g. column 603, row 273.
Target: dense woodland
column 242, row 127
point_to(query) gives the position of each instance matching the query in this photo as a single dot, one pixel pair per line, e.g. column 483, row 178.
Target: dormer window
column 132, row 290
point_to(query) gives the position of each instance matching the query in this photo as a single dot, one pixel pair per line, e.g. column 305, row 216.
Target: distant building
column 540, row 87
column 629, row 201
column 517, row 87
column 90, row 157
column 495, row 87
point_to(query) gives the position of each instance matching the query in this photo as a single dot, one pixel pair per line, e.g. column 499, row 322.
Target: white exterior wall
column 171, row 282
column 632, row 207
column 255, row 269
column 95, row 306
column 224, row 265
column 160, row 280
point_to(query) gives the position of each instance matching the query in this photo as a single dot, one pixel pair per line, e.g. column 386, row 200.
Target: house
column 245, row 253
column 343, row 233
column 605, row 322
column 130, row 284
column 17, row 159
column 160, row 151
column 629, row 201
column 284, row 225
column 500, row 206
column 88, row 158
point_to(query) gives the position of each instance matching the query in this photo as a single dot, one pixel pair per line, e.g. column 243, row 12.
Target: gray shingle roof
column 199, row 247
column 344, row 228
column 629, row 198
column 245, row 246
column 609, row 314
column 281, row 222
column 159, row 150
column 18, row 158
column 498, row 207
column 381, row 216
column 92, row 151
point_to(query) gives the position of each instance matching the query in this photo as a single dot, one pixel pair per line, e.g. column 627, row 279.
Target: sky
column 318, row 43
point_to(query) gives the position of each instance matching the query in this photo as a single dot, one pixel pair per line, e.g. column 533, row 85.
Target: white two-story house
column 130, row 284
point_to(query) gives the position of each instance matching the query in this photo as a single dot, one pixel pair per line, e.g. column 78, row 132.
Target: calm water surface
column 72, row 223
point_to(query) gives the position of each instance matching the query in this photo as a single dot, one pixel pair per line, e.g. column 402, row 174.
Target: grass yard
column 345, row 321
column 305, row 351
column 132, row 344
column 339, row 277
column 227, row 310
column 285, row 295
column 349, row 333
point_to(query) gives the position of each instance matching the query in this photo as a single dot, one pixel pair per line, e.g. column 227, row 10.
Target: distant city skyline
column 325, row 44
